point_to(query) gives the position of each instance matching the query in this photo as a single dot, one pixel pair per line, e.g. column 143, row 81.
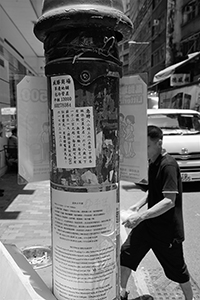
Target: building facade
column 165, row 32
column 20, row 54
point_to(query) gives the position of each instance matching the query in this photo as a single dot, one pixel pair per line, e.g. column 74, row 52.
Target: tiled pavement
column 24, row 212
column 25, row 220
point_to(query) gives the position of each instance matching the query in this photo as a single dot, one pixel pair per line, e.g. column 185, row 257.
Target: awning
column 167, row 72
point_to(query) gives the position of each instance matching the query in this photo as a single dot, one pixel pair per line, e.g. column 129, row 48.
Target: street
column 25, row 221
column 191, row 205
column 149, row 267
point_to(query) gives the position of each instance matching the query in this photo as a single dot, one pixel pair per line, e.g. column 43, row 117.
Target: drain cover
column 38, row 256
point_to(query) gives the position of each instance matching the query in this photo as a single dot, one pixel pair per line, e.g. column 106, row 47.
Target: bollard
column 83, row 70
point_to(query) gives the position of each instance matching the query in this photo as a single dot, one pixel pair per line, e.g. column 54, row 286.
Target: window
column 126, row 45
column 155, row 3
column 1, row 49
column 16, row 72
column 191, row 45
column 198, row 10
column 158, row 56
column 2, row 63
column 125, row 69
column 190, row 11
column 189, row 122
column 126, row 58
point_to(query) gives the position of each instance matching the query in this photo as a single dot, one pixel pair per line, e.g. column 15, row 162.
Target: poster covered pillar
column 83, row 70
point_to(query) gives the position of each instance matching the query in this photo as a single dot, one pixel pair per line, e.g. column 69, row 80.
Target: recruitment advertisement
column 74, row 134
column 33, row 129
column 133, row 129
column 84, row 245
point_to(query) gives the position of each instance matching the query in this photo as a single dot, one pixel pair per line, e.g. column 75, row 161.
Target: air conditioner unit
column 156, row 22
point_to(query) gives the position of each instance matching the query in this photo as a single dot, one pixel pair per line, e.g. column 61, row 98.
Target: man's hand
column 132, row 221
column 134, row 207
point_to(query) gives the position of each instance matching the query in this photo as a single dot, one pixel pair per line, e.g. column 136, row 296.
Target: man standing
column 160, row 227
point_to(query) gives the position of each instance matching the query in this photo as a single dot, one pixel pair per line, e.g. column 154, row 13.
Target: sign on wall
column 179, row 79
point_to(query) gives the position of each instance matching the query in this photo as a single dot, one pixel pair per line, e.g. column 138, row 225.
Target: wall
column 10, row 32
column 13, row 65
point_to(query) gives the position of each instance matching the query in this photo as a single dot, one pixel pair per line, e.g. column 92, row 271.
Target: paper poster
column 74, row 135
column 63, row 94
column 186, row 97
column 84, row 248
column 33, row 129
column 133, row 129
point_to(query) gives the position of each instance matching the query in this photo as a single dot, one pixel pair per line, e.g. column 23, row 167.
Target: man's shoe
column 125, row 297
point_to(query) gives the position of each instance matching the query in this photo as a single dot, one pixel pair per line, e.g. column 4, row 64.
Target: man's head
column 154, row 142
column 14, row 131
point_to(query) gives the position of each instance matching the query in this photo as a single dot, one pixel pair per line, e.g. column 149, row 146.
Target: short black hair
column 14, row 131
column 154, row 132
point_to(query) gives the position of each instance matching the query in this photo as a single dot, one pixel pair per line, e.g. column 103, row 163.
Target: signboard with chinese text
column 33, row 120
column 8, row 110
column 63, row 94
column 133, row 129
column 33, row 129
column 179, row 79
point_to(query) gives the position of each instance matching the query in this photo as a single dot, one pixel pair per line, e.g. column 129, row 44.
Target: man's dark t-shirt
column 164, row 176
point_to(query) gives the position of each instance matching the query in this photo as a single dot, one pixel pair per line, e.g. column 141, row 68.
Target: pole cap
column 65, row 14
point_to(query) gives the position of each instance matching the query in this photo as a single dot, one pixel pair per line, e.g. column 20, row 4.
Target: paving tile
column 25, row 220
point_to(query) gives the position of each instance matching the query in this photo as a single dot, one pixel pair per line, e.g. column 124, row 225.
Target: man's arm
column 140, row 203
column 158, row 209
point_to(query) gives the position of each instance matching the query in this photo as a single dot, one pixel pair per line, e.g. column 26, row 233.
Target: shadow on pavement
column 144, row 297
column 11, row 189
column 134, row 186
column 127, row 187
column 189, row 187
column 9, row 215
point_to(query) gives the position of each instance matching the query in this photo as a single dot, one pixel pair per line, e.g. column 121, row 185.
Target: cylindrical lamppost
column 83, row 70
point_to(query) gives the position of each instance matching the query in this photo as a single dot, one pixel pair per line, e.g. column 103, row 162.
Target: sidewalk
column 25, row 220
column 24, row 212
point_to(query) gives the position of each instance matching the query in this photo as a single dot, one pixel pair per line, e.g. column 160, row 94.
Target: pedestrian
column 12, row 149
column 12, row 140
column 160, row 226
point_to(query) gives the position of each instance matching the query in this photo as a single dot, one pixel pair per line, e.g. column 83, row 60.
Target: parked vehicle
column 181, row 138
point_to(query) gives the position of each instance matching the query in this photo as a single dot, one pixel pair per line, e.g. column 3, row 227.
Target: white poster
column 133, row 129
column 84, row 247
column 33, row 129
column 74, row 134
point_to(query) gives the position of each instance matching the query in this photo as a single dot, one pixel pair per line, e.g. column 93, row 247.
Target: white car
column 181, row 138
